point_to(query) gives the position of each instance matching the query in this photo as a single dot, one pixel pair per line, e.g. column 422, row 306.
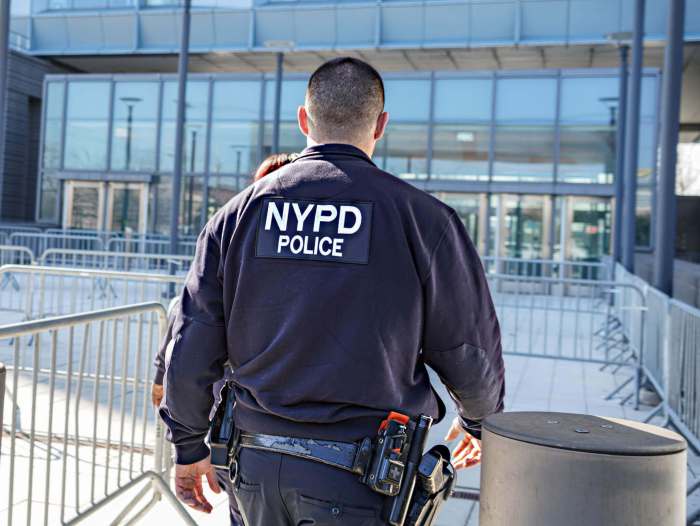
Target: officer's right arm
column 196, row 354
column 461, row 338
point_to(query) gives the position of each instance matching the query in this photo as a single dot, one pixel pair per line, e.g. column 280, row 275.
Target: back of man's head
column 344, row 98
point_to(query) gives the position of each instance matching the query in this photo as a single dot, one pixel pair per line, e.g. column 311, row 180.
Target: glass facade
column 486, row 143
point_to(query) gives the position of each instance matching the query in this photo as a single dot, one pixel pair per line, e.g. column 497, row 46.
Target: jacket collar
column 333, row 150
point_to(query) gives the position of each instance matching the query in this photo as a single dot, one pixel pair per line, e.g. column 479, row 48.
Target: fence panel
column 80, row 422
column 551, row 268
column 144, row 245
column 562, row 318
column 38, row 292
column 40, row 242
column 123, row 261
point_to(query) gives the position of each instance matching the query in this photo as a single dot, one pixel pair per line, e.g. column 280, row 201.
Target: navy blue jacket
column 329, row 285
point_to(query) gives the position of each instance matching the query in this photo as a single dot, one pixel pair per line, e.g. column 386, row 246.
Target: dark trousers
column 227, row 486
column 281, row 490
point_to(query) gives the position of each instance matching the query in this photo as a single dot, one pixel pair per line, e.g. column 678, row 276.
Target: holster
column 433, row 487
column 222, row 430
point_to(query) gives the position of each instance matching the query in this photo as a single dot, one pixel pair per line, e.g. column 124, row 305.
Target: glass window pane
column 460, row 152
column 590, row 229
column 126, row 207
column 524, row 226
column 293, row 93
column 524, row 153
column 402, row 150
column 52, row 125
column 463, row 99
column 526, row 100
column 48, row 208
column 587, row 154
column 195, row 126
column 134, row 127
column 589, row 100
column 407, row 100
column 234, row 142
column 221, row 189
column 291, row 139
column 85, row 211
column 643, row 231
column 87, row 126
column 647, row 149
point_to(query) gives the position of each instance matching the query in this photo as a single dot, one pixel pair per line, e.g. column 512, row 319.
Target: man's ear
column 380, row 127
column 303, row 119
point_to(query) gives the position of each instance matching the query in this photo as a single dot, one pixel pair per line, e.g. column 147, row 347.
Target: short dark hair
column 344, row 98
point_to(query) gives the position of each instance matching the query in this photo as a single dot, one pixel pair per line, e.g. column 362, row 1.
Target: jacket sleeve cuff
column 473, row 427
column 191, row 453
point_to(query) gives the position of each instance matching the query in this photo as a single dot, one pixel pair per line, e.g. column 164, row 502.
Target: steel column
column 180, row 126
column 664, row 251
column 278, row 104
column 4, row 59
column 3, row 373
column 629, row 230
column 620, row 150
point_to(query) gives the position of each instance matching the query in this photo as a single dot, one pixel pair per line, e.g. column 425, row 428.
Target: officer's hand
column 188, row 484
column 468, row 452
column 156, row 394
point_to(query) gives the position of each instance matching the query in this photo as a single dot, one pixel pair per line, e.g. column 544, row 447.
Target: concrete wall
column 23, row 121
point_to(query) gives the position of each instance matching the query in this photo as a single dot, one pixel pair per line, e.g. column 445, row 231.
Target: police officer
column 329, row 286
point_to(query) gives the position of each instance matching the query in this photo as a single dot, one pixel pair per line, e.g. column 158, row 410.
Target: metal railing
column 39, row 291
column 552, row 268
column 145, row 245
column 39, row 242
column 81, row 428
column 123, row 261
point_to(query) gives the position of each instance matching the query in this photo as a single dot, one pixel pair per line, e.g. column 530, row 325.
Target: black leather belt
column 343, row 455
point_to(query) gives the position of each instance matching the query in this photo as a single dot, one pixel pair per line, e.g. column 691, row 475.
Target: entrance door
column 116, row 207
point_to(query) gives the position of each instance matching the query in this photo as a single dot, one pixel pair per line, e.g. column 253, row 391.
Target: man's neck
column 367, row 149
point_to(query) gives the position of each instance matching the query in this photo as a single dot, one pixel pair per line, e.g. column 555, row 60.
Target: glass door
column 126, row 207
column 96, row 205
column 84, row 205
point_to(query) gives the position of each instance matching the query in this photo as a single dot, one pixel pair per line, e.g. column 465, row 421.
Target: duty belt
column 351, row 457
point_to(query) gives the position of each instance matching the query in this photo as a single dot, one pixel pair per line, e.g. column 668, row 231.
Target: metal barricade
column 49, row 291
column 40, row 242
column 13, row 255
column 564, row 269
column 124, row 261
column 559, row 318
column 88, row 432
column 148, row 245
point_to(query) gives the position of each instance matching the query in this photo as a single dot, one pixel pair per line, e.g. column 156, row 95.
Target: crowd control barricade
column 38, row 243
column 124, row 261
column 48, row 291
column 13, row 255
column 89, row 444
column 547, row 268
column 149, row 245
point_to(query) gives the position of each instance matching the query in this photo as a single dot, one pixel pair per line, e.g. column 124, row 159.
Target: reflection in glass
column 402, row 151
column 293, row 93
column 85, row 207
column 526, row 100
column 48, row 207
column 234, row 129
column 291, row 139
column 523, row 226
column 52, row 124
column 587, row 154
column 463, row 100
column 460, row 152
column 126, row 207
column 87, row 125
column 134, row 127
column 407, row 100
column 647, row 150
column 643, row 232
column 221, row 189
column 524, row 153
column 195, row 126
column 590, row 228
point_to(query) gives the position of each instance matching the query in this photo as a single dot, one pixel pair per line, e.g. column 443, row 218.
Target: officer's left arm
column 461, row 338
column 196, row 354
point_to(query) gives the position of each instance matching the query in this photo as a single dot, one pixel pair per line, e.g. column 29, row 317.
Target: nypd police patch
column 314, row 230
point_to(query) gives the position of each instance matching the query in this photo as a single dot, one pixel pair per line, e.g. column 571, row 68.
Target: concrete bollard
column 554, row 469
